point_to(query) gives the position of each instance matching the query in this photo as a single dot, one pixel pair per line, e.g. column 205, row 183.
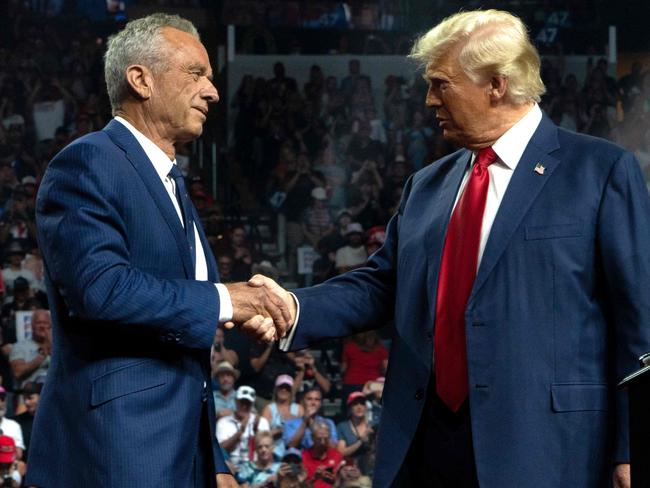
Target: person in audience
column 220, row 352
column 260, row 472
column 237, row 432
column 310, row 372
column 362, row 148
column 267, row 363
column 356, row 436
column 350, row 82
column 34, row 262
column 364, row 202
column 224, row 395
column 225, row 263
column 22, row 301
column 321, row 460
column 373, row 391
column 30, row 358
column 350, row 476
column 281, row 409
column 364, row 358
column 242, row 253
column 31, row 393
column 353, row 254
column 16, row 254
column 375, row 238
column 18, row 219
column 10, row 427
column 335, row 240
column 297, row 432
column 292, row 473
column 9, row 472
column 316, row 220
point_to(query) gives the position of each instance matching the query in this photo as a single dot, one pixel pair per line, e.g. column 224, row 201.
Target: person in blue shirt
column 297, row 432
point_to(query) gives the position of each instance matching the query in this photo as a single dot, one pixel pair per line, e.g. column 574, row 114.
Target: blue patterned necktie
column 186, row 208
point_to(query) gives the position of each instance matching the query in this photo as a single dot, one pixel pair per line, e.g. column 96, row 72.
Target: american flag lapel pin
column 539, row 169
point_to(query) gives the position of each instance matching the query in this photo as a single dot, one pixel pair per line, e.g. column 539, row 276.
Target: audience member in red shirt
column 364, row 359
column 321, row 461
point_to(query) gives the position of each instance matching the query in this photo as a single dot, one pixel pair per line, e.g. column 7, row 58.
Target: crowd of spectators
column 328, row 158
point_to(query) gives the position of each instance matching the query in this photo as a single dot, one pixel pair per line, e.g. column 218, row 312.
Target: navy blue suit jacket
column 131, row 327
column 559, row 311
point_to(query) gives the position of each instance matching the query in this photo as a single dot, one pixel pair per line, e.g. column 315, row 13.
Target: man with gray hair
column 517, row 275
column 30, row 358
column 134, row 288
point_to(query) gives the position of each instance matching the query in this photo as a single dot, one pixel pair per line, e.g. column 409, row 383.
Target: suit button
column 429, row 336
column 419, row 394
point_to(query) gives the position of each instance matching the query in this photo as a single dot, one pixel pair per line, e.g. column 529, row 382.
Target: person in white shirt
column 10, row 427
column 235, row 432
column 353, row 254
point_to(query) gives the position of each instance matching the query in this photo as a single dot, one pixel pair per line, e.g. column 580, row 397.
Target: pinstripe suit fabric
column 132, row 329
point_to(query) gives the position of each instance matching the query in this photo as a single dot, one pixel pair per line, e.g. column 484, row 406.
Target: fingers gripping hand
column 263, row 281
column 248, row 301
column 260, row 328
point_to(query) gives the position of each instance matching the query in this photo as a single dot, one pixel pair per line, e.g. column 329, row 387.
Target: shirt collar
column 512, row 144
column 161, row 163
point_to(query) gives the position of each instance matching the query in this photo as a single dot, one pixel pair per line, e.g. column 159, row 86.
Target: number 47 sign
column 554, row 22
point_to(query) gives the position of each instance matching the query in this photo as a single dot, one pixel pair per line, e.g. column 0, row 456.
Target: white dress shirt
column 163, row 165
column 509, row 149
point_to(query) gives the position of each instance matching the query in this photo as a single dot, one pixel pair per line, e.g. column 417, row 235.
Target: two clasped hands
column 262, row 308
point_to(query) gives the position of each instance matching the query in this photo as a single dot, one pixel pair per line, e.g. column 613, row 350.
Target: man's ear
column 140, row 81
column 498, row 88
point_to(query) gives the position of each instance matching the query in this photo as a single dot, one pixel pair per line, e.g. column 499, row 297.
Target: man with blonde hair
column 517, row 275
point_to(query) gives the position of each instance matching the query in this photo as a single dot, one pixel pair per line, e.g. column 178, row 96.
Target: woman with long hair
column 281, row 409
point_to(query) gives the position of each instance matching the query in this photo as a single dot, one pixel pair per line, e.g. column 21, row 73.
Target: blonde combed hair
column 492, row 42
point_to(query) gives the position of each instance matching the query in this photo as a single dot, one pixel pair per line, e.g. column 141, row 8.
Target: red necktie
column 457, row 273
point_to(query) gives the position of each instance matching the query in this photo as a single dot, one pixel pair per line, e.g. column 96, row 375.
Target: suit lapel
column 121, row 136
column 525, row 185
column 440, row 213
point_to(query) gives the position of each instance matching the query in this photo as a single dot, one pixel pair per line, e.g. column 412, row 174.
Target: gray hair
column 140, row 42
column 320, row 424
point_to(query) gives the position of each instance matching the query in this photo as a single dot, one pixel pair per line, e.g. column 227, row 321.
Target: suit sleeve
column 85, row 247
column 623, row 237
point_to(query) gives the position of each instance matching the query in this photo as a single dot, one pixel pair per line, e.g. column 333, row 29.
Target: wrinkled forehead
column 185, row 45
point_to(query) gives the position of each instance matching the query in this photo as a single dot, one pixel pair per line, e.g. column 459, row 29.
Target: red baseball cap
column 355, row 395
column 7, row 449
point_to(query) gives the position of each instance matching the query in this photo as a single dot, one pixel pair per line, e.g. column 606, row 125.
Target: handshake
column 262, row 308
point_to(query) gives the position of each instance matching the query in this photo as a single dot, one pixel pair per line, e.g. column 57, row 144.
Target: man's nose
column 210, row 93
column 432, row 100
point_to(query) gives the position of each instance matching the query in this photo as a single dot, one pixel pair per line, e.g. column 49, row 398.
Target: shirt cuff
column 225, row 303
column 285, row 343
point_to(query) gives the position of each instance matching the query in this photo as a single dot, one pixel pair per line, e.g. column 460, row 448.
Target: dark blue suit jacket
column 131, row 327
column 559, row 311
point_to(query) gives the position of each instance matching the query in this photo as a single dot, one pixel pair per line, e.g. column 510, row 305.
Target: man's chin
column 455, row 138
column 191, row 134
